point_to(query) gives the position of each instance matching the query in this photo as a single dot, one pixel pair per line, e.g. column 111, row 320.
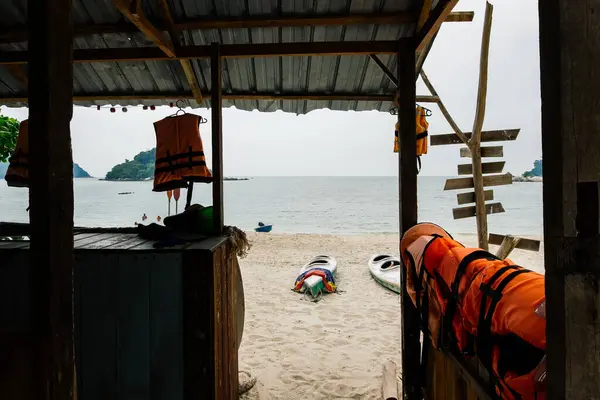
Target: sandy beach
column 333, row 349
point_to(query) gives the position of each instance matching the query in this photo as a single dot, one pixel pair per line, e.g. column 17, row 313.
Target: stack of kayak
column 317, row 277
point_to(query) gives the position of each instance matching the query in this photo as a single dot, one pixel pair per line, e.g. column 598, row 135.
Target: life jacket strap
column 448, row 339
column 485, row 341
column 172, row 168
column 188, row 154
column 422, row 135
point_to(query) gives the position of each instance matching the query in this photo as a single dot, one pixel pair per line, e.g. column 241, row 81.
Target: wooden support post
column 407, row 174
column 475, row 141
column 507, row 246
column 217, row 137
column 570, row 89
column 51, row 196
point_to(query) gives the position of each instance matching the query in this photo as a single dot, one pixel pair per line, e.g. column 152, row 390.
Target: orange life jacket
column 179, row 153
column 422, row 133
column 17, row 174
column 485, row 307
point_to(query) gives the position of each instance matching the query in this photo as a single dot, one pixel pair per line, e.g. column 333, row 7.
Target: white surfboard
column 385, row 269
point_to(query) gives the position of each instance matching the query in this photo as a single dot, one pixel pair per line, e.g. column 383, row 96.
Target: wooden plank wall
column 148, row 324
column 447, row 381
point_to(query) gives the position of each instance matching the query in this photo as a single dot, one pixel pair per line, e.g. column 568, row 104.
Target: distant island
column 141, row 168
column 78, row 172
column 533, row 175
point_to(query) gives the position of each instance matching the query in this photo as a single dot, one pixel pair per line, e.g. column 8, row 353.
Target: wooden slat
column 165, row 328
column 127, row 244
column 131, row 9
column 113, row 240
column 97, row 330
column 92, row 238
column 227, row 51
column 489, row 151
column 133, row 357
column 469, row 197
column 486, row 168
column 524, row 244
column 19, row 33
column 467, row 212
column 486, row 136
column 467, row 183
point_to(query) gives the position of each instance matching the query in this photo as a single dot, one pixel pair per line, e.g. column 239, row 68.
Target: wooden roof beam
column 228, row 51
column 316, row 96
column 437, row 16
column 132, row 10
column 19, row 34
column 186, row 65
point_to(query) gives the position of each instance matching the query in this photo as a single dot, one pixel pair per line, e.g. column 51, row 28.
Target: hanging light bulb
column 152, row 108
column 145, row 108
column 112, row 110
column 124, row 109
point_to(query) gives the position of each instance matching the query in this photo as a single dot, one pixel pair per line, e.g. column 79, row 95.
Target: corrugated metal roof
column 329, row 74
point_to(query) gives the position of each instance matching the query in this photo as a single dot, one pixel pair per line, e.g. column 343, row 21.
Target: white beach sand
column 333, row 349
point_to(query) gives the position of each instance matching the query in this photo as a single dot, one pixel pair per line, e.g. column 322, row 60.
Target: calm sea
column 349, row 205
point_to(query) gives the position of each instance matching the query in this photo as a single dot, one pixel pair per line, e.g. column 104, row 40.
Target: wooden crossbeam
column 19, row 34
column 469, row 197
column 19, row 74
column 132, row 10
column 467, row 183
column 186, row 65
column 316, row 96
column 468, row 212
column 228, row 51
column 488, row 151
column 384, row 69
column 437, row 16
column 524, row 244
column 486, row 168
column 486, row 136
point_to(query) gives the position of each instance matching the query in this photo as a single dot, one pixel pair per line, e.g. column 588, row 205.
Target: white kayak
column 314, row 285
column 385, row 269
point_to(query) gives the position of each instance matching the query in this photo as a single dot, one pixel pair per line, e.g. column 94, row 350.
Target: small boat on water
column 263, row 228
column 385, row 269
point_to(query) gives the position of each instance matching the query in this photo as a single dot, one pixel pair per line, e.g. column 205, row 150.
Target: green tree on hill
column 138, row 169
column 9, row 131
column 535, row 171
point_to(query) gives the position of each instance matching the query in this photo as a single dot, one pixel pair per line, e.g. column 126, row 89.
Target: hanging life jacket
column 17, row 174
column 422, row 133
column 485, row 307
column 179, row 153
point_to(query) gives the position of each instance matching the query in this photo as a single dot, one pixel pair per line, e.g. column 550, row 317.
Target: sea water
column 339, row 205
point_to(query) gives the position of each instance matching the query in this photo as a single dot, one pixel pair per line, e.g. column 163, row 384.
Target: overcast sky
column 335, row 143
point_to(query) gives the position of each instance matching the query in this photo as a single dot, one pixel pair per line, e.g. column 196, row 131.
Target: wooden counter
column 149, row 323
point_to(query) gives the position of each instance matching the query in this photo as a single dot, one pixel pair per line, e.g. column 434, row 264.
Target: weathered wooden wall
column 570, row 88
column 148, row 324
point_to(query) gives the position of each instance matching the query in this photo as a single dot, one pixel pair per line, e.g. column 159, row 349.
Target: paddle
column 169, row 194
column 176, row 194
